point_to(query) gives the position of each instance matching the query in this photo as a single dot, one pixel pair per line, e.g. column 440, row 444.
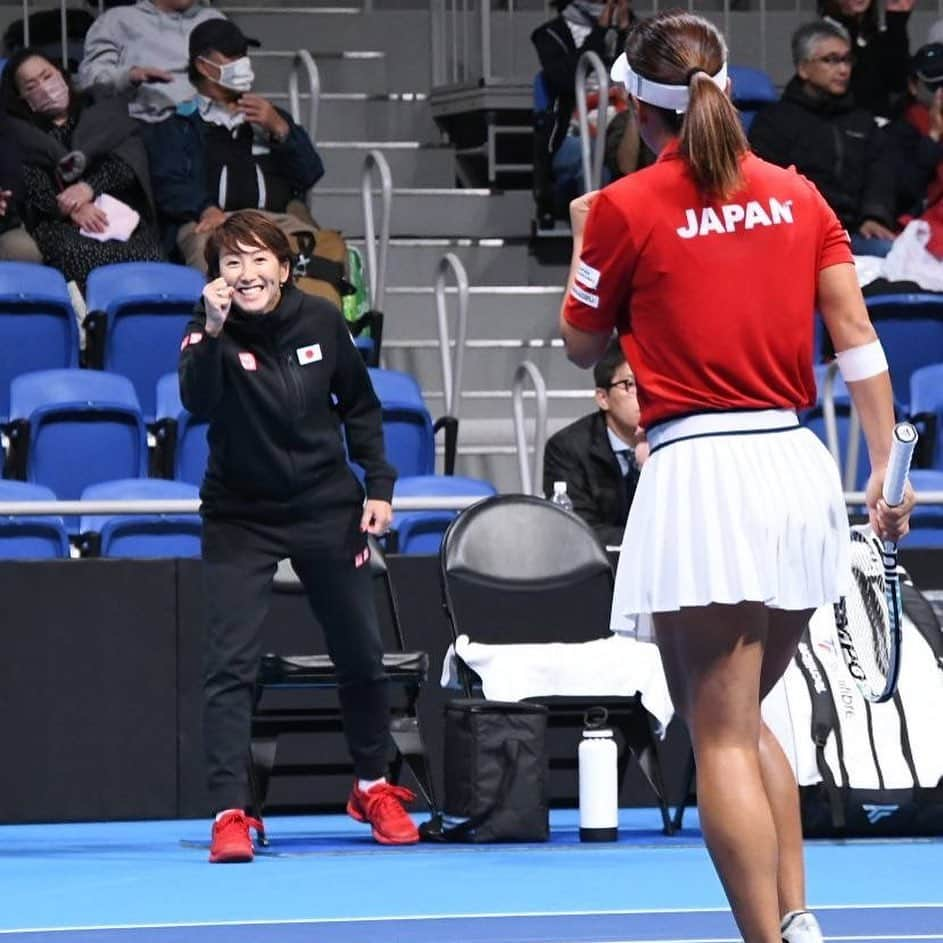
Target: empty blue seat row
column 138, row 536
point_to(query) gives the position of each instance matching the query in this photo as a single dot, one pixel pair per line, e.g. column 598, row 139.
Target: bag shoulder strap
column 824, row 722
column 918, row 609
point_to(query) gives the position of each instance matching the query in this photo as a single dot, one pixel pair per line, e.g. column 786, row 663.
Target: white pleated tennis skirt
column 732, row 507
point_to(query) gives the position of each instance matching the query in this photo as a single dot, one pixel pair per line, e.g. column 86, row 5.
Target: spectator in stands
column 817, row 127
column 581, row 26
column 140, row 52
column 228, row 149
column 915, row 135
column 75, row 153
column 599, row 456
column 278, row 485
column 16, row 244
column 881, row 51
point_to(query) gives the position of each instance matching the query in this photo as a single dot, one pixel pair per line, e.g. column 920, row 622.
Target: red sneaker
column 231, row 841
column 382, row 807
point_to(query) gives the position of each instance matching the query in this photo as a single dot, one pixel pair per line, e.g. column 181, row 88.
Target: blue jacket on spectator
column 196, row 164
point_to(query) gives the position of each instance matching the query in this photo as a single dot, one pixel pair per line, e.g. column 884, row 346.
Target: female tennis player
column 710, row 264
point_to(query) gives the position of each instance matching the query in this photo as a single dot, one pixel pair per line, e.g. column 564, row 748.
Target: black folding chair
column 307, row 674
column 495, row 557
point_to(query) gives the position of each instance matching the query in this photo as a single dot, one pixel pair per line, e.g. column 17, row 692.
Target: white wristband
column 859, row 363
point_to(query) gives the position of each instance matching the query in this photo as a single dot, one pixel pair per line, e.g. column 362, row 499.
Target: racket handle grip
column 898, row 464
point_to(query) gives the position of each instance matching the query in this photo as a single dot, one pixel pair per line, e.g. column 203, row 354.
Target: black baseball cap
column 219, row 35
column 927, row 64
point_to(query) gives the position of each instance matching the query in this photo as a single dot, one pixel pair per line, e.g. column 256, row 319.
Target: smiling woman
column 276, row 374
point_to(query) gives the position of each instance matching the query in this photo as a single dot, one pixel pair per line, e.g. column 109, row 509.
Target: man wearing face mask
column 141, row 51
column 227, row 149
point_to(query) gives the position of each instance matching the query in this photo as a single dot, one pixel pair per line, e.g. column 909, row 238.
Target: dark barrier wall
column 100, row 686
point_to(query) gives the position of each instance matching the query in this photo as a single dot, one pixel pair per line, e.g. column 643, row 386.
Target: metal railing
column 191, row 506
column 830, row 420
column 376, row 249
column 592, row 156
column 304, row 63
column 452, row 363
column 530, row 474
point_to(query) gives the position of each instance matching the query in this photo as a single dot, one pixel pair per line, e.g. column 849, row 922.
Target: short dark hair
column 250, row 228
column 608, row 363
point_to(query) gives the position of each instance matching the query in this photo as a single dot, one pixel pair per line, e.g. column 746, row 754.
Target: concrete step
column 487, row 368
column 352, row 70
column 411, row 164
column 487, row 262
column 421, row 212
column 494, row 311
column 360, row 116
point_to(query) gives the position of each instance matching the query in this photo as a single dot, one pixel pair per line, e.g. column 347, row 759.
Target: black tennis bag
column 865, row 769
column 495, row 774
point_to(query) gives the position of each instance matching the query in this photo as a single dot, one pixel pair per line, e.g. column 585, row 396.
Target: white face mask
column 50, row 97
column 237, row 76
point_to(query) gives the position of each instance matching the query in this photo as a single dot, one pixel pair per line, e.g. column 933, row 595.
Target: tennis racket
column 868, row 620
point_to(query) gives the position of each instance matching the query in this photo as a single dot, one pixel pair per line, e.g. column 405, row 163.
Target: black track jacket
column 276, row 389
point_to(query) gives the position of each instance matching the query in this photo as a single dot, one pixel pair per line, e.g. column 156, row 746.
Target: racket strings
column 867, row 620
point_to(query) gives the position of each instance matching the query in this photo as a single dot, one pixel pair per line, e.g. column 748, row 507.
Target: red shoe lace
column 385, row 792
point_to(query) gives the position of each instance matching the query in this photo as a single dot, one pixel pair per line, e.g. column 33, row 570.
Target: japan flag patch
column 309, row 354
column 247, row 360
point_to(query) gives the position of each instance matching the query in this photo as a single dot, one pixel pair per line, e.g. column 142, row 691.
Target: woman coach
column 278, row 377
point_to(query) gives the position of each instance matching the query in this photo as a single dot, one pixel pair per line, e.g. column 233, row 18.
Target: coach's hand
column 376, row 517
column 217, row 299
column 889, row 523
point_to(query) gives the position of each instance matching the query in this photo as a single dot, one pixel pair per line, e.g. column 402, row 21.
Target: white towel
column 122, row 220
column 615, row 666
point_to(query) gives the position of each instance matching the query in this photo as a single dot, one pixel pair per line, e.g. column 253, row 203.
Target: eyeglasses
column 627, row 385
column 834, row 59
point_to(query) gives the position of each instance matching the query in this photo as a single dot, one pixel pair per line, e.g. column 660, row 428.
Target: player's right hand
column 217, row 300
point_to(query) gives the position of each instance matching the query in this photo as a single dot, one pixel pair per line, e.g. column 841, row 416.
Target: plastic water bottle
column 599, row 779
column 560, row 497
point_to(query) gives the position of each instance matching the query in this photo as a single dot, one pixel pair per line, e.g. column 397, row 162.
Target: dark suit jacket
column 581, row 455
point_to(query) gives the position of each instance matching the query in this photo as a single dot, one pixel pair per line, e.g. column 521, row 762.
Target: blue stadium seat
column 750, row 90
column 926, row 522
column 421, row 531
column 186, row 434
column 911, row 329
column 407, row 425
column 30, row 538
column 137, row 315
column 37, row 324
column 926, row 407
column 144, row 535
column 78, row 427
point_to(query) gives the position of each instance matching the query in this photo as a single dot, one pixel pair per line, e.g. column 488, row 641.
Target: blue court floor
column 324, row 880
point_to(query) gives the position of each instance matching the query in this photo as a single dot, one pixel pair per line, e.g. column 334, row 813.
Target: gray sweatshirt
column 142, row 35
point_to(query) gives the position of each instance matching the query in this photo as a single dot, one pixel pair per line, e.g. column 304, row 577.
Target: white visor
column 673, row 97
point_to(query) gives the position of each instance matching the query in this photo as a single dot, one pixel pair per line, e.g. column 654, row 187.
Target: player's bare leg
column 714, row 660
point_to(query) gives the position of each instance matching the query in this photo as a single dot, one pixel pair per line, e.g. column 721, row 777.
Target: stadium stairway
column 374, row 72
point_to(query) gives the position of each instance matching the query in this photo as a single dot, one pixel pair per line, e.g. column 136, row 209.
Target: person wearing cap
column 916, row 135
column 141, row 51
column 228, row 149
column 710, row 265
column 818, row 128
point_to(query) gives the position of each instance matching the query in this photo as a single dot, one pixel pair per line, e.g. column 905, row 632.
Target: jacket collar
column 824, row 105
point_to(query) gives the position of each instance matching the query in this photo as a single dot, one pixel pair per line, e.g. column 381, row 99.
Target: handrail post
column 452, row 366
column 528, row 369
column 828, row 412
column 592, row 165
column 304, row 59
column 25, row 23
column 376, row 258
column 64, row 33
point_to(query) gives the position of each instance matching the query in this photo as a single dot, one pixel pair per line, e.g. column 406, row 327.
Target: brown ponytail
column 678, row 48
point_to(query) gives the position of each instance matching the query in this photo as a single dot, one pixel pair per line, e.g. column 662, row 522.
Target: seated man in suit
column 599, row 455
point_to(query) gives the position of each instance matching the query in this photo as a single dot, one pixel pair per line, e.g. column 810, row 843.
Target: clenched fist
column 217, row 299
